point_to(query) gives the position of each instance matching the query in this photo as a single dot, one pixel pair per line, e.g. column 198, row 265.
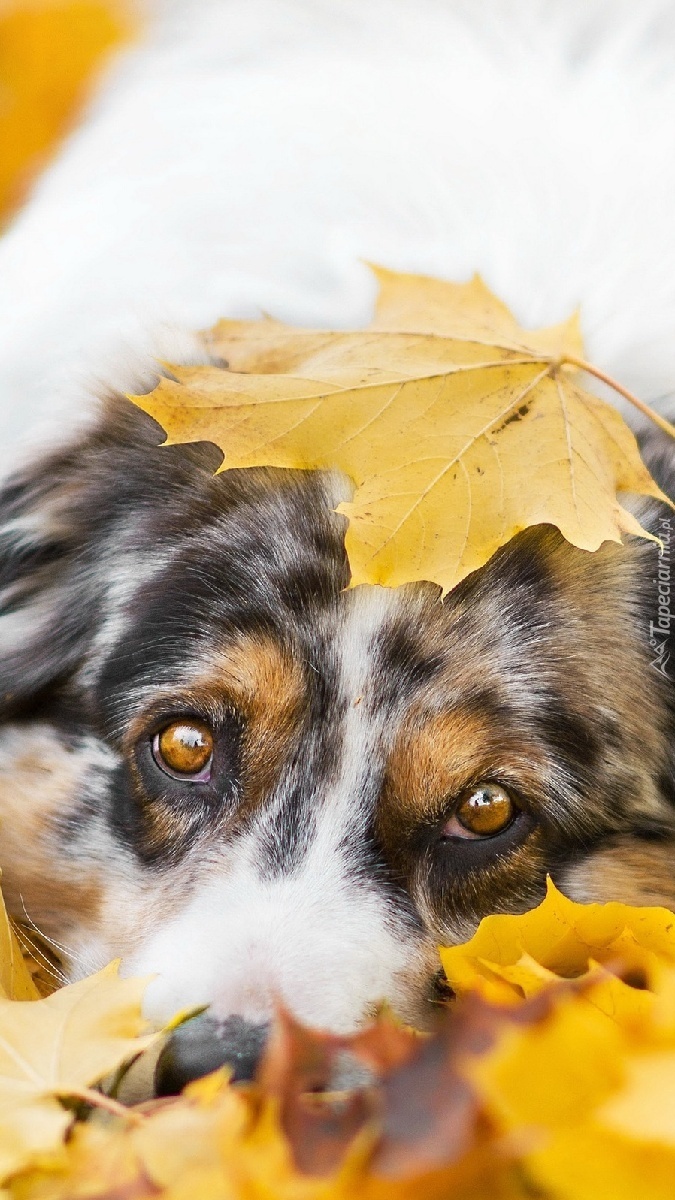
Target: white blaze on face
column 316, row 941
column 320, row 939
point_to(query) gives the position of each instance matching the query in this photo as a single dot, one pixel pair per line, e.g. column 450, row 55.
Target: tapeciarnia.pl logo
column 659, row 630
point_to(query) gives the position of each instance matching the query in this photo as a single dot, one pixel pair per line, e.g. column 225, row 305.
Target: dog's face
column 224, row 766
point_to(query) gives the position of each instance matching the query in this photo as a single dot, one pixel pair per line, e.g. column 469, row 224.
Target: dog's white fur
column 249, row 154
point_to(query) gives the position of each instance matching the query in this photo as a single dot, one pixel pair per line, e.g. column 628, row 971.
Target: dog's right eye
column 184, row 750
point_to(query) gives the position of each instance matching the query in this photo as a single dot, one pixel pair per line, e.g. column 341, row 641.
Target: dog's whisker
column 36, row 952
column 59, row 947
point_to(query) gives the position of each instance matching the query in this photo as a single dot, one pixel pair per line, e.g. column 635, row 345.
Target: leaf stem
column 581, row 363
column 99, row 1100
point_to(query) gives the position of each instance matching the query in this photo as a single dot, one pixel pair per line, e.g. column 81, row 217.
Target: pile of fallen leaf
column 552, row 1075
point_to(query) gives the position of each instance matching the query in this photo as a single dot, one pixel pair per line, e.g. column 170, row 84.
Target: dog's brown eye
column 485, row 810
column 185, row 749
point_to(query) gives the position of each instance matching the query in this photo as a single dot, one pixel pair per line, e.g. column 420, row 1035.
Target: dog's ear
column 55, row 519
column 76, row 529
column 47, row 604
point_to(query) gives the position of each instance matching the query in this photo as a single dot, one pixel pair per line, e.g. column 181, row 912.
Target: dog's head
column 223, row 765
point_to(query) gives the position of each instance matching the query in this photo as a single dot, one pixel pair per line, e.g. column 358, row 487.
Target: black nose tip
column 204, row 1044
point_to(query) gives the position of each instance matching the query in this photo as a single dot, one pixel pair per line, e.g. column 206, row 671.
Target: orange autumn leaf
column 49, row 54
column 512, row 956
column 589, row 1093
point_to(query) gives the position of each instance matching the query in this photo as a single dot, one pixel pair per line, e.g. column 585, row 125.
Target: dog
column 217, row 762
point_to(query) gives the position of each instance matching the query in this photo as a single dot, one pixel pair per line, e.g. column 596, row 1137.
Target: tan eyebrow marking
column 261, row 681
column 435, row 757
column 264, row 682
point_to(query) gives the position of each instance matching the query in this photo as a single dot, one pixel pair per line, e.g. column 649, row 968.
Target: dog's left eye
column 484, row 810
column 184, row 750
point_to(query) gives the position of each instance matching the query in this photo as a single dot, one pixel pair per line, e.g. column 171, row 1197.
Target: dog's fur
column 253, row 158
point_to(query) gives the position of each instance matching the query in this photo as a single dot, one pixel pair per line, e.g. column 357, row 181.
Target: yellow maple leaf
column 586, row 1103
column 15, row 978
column 587, row 1163
column 58, row 1047
column 645, row 1107
column 457, row 428
column 626, row 1148
column 591, row 1083
column 180, row 1147
column 594, row 1100
column 48, row 53
column 514, row 956
column 539, row 1076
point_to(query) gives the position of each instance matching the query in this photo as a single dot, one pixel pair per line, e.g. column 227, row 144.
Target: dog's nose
column 204, row 1044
